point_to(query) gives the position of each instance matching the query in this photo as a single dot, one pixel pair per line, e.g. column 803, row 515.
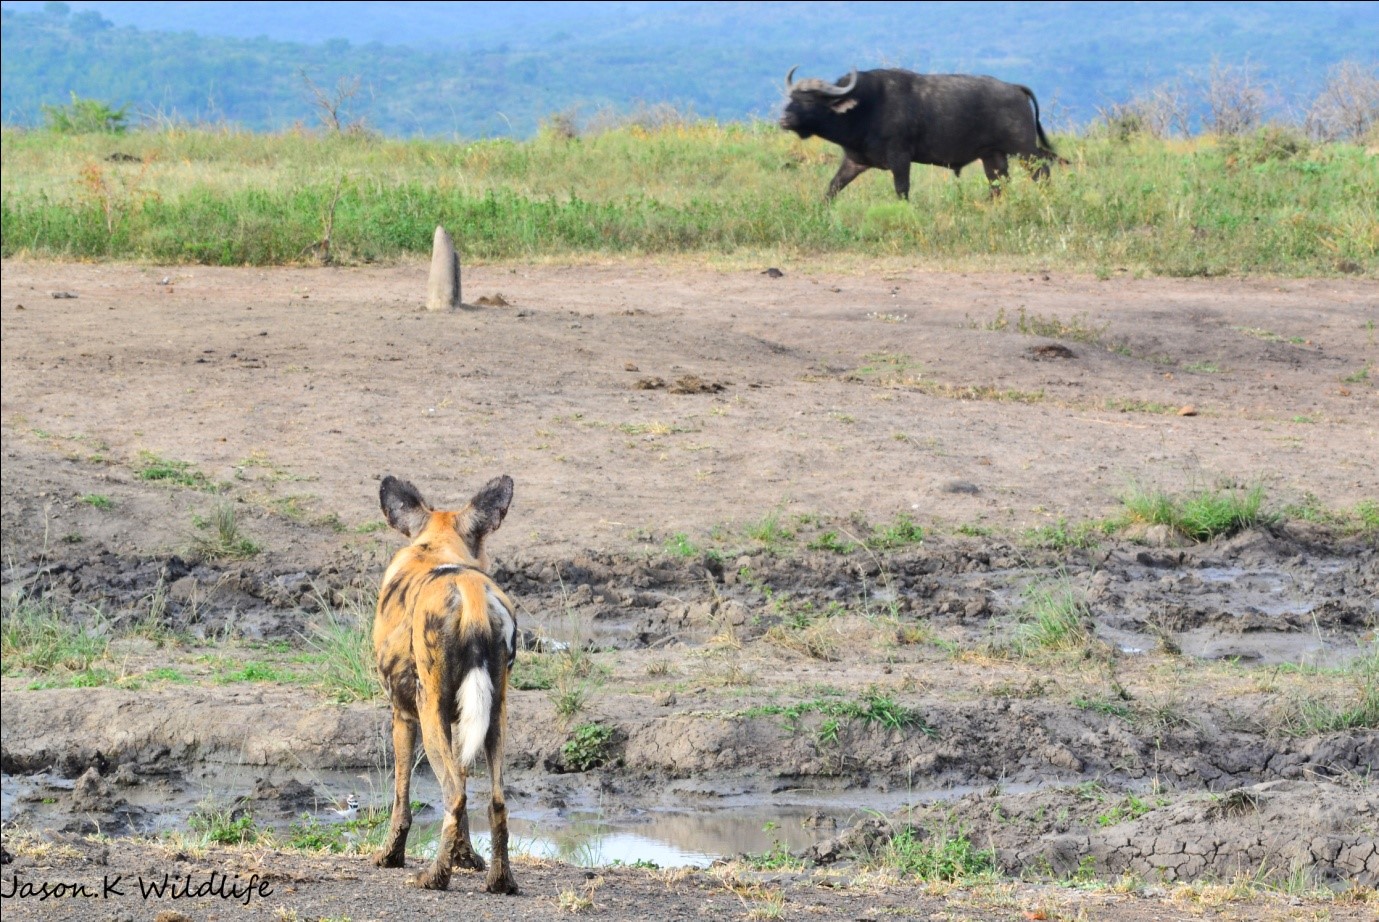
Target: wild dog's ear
column 403, row 506
column 489, row 506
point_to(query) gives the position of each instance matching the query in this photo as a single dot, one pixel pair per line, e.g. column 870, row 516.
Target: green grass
column 873, row 708
column 148, row 466
column 533, row 671
column 902, row 531
column 256, row 671
column 1182, row 208
column 223, row 825
column 1201, row 516
column 1303, row 714
column 1361, row 519
column 588, row 747
column 680, row 545
column 221, row 539
column 98, row 501
column 339, row 645
column 1054, row 616
column 778, row 858
column 1063, row 535
column 937, row 857
column 37, row 635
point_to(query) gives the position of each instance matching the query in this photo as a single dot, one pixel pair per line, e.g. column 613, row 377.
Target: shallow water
column 670, row 829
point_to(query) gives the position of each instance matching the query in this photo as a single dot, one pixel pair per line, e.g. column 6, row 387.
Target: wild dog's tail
column 475, row 699
column 483, row 610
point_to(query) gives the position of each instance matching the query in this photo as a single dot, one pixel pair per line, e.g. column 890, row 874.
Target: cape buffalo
column 888, row 119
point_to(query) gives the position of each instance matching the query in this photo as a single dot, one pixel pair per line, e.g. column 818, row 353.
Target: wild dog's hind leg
column 499, row 872
column 455, row 848
column 394, row 850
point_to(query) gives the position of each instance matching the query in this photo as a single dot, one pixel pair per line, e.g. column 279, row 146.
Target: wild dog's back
column 445, row 639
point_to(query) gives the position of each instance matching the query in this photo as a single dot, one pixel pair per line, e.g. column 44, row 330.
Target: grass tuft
column 1201, row 516
column 37, row 635
column 1054, row 616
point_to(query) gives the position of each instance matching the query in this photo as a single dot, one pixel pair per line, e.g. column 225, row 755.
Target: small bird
column 351, row 809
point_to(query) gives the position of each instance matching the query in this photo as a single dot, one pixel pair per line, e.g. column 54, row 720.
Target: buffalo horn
column 842, row 90
column 790, row 77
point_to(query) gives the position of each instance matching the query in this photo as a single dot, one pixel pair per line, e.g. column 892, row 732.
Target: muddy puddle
column 588, row 828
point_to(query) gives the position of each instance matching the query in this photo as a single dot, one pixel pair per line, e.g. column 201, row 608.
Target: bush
column 85, row 116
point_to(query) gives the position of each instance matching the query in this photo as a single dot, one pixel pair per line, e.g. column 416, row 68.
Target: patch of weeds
column 1054, row 616
column 1062, row 535
column 654, row 428
column 680, row 545
column 255, row 671
column 221, row 538
column 1134, row 405
column 979, row 392
column 35, row 635
column 90, row 677
column 974, row 531
column 225, row 826
column 311, row 834
column 148, row 466
column 939, row 857
column 588, row 747
column 770, row 532
column 1240, row 802
column 831, row 541
column 166, row 674
column 1201, row 516
column 888, row 368
column 902, row 531
column 815, row 641
column 1077, row 329
column 1358, row 377
column 778, row 858
column 98, row 501
column 1362, row 519
column 1103, row 705
column 1313, row 716
column 533, row 671
column 1212, row 514
column 293, row 507
column 340, row 646
column 1202, row 368
column 1270, row 336
column 873, row 708
column 1131, row 808
column 568, row 695
column 1367, row 513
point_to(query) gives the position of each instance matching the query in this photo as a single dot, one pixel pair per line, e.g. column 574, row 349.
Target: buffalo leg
column 997, row 168
column 900, row 171
column 848, row 170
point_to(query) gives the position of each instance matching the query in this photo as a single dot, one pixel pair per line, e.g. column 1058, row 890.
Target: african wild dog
column 445, row 638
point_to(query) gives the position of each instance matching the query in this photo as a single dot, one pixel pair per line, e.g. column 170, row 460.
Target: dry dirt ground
column 698, row 452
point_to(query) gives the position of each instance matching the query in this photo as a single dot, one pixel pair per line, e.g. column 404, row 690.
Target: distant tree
column 85, row 116
column 333, row 106
column 1348, row 105
column 1236, row 99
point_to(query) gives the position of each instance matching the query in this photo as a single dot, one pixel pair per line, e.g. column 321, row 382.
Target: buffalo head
column 813, row 103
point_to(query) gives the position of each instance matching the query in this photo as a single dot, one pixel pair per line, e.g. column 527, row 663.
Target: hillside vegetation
column 1269, row 202
column 478, row 70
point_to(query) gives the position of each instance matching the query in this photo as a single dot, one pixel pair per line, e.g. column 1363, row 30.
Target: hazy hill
column 482, row 69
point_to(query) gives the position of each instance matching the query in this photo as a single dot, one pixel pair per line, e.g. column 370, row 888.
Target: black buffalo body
column 888, row 119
